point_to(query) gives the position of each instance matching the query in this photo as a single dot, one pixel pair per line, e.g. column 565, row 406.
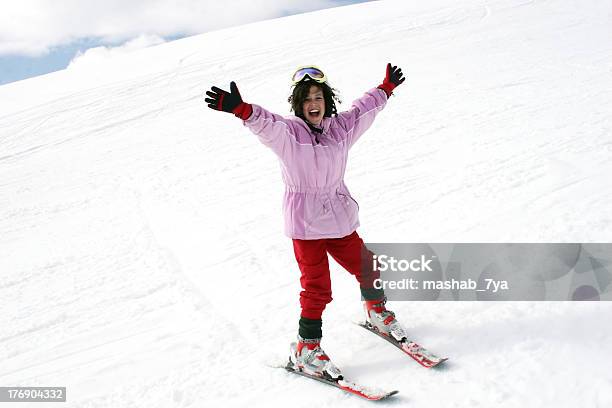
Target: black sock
column 372, row 294
column 310, row 328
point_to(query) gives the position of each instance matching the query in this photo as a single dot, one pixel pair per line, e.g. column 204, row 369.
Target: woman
column 320, row 214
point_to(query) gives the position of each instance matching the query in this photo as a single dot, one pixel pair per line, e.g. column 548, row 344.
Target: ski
column 420, row 354
column 368, row 393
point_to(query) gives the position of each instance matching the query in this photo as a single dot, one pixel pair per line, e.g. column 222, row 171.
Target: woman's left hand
column 393, row 78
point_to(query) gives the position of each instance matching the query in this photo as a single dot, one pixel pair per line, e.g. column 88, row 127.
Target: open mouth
column 314, row 113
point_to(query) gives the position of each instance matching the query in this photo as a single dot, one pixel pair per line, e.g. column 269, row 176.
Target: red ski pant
column 311, row 255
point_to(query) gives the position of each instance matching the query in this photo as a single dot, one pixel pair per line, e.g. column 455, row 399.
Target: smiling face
column 313, row 107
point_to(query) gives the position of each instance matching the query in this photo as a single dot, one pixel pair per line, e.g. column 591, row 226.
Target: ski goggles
column 311, row 71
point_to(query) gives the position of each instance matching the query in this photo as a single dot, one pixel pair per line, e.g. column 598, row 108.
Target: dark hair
column 300, row 93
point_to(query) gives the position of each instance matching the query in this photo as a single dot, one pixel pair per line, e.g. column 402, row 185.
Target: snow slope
column 142, row 260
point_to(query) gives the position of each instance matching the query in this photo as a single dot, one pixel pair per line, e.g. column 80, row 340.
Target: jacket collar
column 311, row 128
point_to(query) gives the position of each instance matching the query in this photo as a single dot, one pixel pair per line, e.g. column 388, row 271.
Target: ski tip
column 369, row 393
column 389, row 394
column 382, row 396
column 393, row 393
column 371, row 397
column 438, row 364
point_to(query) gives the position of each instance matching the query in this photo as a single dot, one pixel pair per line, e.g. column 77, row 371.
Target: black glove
column 222, row 100
column 230, row 102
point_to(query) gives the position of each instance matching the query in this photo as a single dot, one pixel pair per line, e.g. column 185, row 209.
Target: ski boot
column 307, row 356
column 383, row 320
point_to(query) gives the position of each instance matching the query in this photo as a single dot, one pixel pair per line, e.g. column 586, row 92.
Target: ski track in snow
column 143, row 261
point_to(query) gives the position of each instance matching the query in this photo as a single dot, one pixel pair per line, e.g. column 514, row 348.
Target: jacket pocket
column 355, row 201
column 347, row 199
column 320, row 219
column 351, row 208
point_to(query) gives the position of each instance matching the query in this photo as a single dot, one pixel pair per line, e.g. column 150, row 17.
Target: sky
column 42, row 36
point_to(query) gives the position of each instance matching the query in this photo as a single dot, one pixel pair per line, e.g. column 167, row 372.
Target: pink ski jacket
column 317, row 203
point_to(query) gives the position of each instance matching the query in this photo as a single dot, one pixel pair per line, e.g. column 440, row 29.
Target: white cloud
column 97, row 55
column 33, row 27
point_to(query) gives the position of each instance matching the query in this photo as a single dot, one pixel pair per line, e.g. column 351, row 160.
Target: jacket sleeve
column 360, row 116
column 274, row 131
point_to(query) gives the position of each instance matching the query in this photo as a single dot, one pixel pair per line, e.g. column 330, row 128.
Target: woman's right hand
column 230, row 102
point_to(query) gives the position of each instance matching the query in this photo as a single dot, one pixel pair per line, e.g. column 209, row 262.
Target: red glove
column 393, row 78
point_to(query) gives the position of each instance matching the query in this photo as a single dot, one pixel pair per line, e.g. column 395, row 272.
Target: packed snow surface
column 142, row 257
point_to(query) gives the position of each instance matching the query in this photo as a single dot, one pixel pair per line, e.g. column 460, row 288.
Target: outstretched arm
column 363, row 111
column 272, row 130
